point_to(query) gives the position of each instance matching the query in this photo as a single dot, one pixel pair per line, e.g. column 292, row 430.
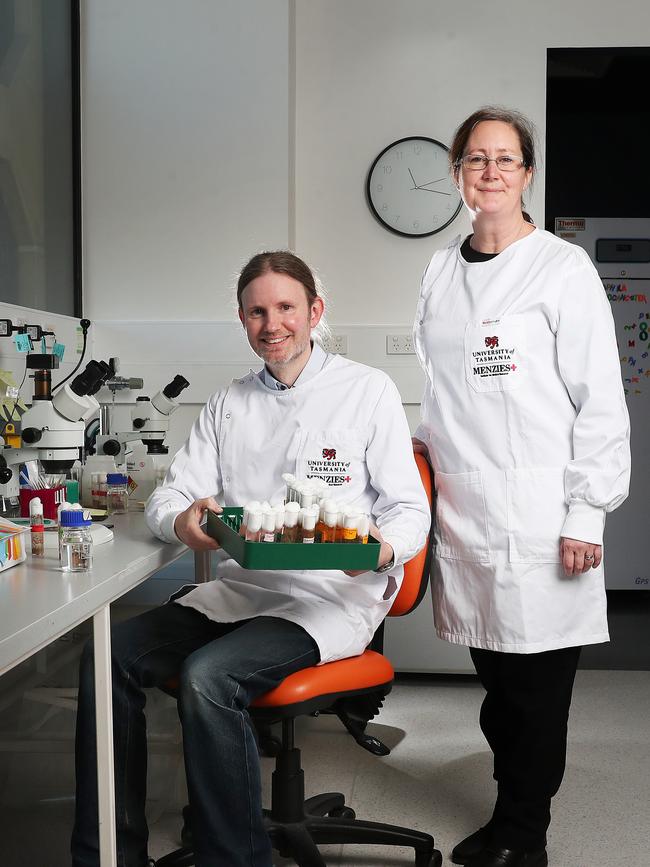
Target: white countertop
column 39, row 603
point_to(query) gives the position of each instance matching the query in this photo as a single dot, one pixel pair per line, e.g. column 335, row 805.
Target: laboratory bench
column 39, row 604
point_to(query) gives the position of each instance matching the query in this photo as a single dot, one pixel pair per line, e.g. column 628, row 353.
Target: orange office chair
column 354, row 689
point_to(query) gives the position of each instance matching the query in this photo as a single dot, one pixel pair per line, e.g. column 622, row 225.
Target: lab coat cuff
column 584, row 522
column 167, row 526
column 399, row 547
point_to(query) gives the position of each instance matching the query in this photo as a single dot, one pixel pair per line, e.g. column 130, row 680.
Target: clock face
column 409, row 187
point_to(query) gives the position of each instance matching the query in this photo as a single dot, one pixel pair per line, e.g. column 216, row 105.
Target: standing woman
column 525, row 423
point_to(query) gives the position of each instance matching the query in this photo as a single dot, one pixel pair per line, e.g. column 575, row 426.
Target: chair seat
column 355, row 674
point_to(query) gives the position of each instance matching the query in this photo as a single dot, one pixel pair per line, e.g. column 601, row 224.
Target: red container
column 50, row 497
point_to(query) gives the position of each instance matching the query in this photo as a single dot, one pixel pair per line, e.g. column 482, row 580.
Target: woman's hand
column 578, row 557
column 187, row 525
column 419, row 447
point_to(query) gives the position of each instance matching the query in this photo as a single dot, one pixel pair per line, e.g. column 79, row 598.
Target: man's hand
column 386, row 554
column 578, row 557
column 187, row 525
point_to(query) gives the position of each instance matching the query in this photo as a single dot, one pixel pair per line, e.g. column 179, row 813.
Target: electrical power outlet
column 399, row 344
column 336, row 343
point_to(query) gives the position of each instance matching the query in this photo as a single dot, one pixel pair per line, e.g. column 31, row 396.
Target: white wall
column 185, row 151
column 369, row 72
column 189, row 162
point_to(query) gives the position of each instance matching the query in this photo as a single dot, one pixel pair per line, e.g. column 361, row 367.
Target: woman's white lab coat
column 525, row 420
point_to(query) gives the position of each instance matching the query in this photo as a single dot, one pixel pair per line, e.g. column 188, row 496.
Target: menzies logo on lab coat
column 493, row 353
column 329, row 469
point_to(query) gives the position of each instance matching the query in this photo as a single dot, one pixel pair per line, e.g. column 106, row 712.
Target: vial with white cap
column 363, row 529
column 37, row 525
column 253, row 506
column 350, row 518
column 254, row 526
column 308, row 518
column 279, row 521
column 291, row 530
column 330, row 516
column 268, row 526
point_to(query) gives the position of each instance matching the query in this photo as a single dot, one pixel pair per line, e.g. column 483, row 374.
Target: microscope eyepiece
column 174, row 388
column 90, row 380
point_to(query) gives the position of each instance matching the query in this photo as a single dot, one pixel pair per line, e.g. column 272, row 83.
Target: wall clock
column 409, row 187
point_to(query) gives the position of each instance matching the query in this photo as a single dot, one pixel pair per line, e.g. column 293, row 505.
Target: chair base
column 328, row 820
column 296, row 826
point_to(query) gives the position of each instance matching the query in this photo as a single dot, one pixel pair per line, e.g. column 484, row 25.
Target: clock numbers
column 409, row 188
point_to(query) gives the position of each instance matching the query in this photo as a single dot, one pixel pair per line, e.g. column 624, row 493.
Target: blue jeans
column 222, row 668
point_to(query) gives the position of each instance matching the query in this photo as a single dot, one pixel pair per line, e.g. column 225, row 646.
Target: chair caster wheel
column 342, row 813
column 424, row 859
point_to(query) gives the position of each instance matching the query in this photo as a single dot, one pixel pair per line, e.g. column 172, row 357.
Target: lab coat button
column 227, row 415
column 227, row 478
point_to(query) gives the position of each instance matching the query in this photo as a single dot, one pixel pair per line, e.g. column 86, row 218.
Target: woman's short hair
column 522, row 126
column 519, row 122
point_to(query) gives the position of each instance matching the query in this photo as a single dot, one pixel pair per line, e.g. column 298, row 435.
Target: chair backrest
column 416, row 571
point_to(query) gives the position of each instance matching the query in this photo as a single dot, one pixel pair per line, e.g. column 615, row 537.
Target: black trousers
column 524, row 717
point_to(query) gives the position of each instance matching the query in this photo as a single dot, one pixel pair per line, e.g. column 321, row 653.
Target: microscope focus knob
column 111, row 447
column 31, row 435
column 139, row 423
column 5, row 475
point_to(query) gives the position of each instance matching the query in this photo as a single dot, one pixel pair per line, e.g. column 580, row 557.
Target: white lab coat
column 525, row 420
column 346, row 424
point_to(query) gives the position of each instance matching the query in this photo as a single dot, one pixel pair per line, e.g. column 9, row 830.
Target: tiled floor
column 437, row 777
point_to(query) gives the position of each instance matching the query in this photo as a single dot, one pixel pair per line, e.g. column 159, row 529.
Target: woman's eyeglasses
column 478, row 162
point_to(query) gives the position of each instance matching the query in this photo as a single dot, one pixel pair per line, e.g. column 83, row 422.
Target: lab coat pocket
column 337, row 456
column 461, row 528
column 536, row 514
column 495, row 353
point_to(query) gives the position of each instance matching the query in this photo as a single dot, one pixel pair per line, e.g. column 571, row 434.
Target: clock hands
column 428, row 183
column 425, row 186
column 425, row 190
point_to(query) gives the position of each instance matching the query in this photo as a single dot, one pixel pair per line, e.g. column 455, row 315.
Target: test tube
column 95, row 495
column 268, row 526
column 350, row 518
column 279, row 521
column 290, row 480
column 290, row 531
column 308, row 521
column 328, row 533
column 363, row 529
column 254, row 526
column 253, row 506
column 37, row 524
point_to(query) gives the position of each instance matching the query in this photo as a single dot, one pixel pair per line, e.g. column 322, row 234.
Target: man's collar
column 314, row 365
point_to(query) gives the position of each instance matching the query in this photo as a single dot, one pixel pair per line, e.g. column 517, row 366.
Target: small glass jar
column 76, row 541
column 116, row 493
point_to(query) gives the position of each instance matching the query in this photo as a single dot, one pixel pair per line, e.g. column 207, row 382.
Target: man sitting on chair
column 230, row 640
